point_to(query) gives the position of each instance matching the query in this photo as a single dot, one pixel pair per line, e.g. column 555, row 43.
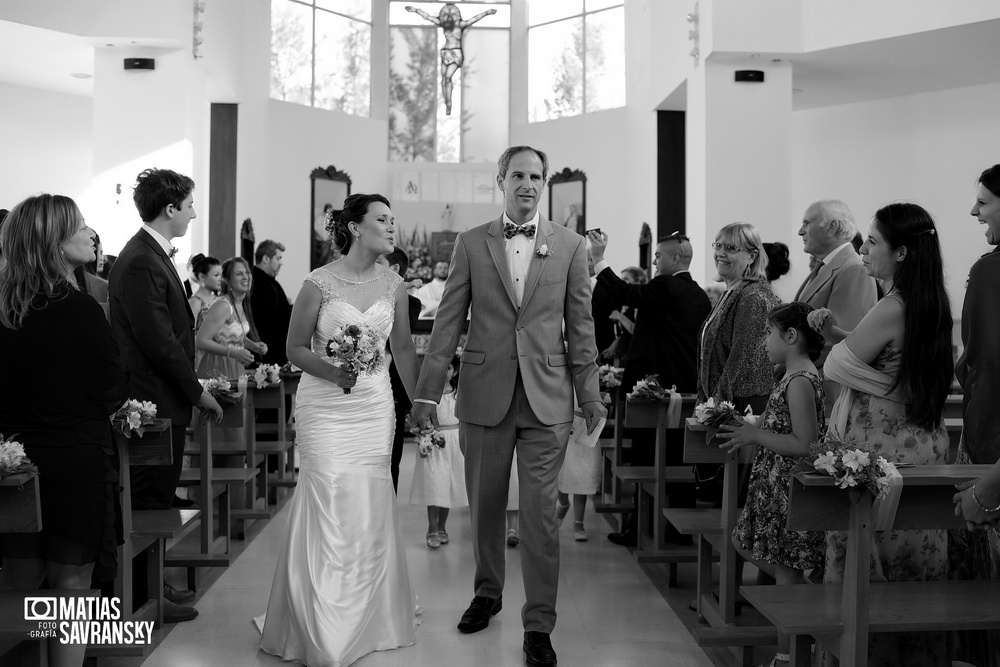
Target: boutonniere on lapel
column 543, row 250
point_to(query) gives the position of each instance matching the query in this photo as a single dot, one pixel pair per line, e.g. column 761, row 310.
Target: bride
column 341, row 587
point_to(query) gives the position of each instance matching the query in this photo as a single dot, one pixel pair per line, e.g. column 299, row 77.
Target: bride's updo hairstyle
column 926, row 364
column 355, row 209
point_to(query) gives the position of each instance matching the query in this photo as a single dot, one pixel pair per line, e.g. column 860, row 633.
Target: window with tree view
column 448, row 80
column 576, row 56
column 321, row 53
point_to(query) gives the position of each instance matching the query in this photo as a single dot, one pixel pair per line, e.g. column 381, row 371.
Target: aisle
column 609, row 612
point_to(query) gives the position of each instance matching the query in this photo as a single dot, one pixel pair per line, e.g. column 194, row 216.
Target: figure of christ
column 449, row 19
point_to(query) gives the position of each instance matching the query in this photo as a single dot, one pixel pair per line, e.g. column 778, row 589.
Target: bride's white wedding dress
column 341, row 587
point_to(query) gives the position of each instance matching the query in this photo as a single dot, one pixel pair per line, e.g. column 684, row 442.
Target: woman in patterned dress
column 793, row 419
column 895, row 371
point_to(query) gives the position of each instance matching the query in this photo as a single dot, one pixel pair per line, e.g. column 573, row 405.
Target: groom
column 530, row 344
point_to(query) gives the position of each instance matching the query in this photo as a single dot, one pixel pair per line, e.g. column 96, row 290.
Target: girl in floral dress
column 792, row 420
column 895, row 371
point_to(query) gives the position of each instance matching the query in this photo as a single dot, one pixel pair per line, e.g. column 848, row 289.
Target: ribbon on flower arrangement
column 241, row 387
column 674, row 409
column 884, row 508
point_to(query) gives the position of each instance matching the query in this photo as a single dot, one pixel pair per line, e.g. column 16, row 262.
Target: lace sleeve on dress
column 319, row 278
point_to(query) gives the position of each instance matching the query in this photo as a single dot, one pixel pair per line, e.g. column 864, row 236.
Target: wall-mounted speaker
column 749, row 76
column 140, row 63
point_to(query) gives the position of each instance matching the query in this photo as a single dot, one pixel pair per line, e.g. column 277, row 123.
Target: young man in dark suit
column 398, row 261
column 271, row 309
column 670, row 311
column 153, row 325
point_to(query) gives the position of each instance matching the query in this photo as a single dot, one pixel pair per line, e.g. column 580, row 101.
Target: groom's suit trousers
column 540, row 449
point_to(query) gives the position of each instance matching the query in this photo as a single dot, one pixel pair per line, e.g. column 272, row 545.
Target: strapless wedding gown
column 341, row 587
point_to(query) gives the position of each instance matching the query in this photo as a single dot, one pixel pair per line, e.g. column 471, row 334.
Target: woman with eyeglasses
column 732, row 361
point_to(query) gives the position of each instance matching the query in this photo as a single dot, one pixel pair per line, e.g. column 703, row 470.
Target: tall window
column 423, row 57
column 576, row 57
column 321, row 53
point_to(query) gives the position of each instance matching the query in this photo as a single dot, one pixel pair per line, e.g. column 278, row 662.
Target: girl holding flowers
column 895, row 371
column 793, row 419
column 439, row 473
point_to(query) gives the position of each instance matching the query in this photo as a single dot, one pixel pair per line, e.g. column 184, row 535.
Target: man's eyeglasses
column 729, row 249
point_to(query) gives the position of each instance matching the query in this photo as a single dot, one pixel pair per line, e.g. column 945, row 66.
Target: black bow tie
column 510, row 230
column 173, row 251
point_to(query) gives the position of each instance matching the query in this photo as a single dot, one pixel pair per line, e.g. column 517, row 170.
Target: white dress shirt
column 519, row 250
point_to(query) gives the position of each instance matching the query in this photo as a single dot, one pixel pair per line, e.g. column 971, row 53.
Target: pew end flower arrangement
column 133, row 417
column 267, row 374
column 221, row 389
column 649, row 389
column 852, row 467
column 356, row 347
column 13, row 461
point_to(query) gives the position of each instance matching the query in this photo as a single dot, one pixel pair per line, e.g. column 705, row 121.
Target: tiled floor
column 609, row 612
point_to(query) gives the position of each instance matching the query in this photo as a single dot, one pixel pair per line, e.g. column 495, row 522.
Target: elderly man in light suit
column 838, row 280
column 530, row 345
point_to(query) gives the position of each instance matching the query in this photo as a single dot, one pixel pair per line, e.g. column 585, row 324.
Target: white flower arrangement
column 649, row 389
column 543, row 250
column 221, row 389
column 852, row 467
column 12, row 458
column 609, row 376
column 428, row 442
column 267, row 374
column 711, row 414
column 133, row 417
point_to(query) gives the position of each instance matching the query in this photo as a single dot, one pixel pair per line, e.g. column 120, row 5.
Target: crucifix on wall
column 449, row 19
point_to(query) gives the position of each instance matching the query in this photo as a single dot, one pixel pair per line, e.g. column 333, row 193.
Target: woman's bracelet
column 229, row 348
column 985, row 509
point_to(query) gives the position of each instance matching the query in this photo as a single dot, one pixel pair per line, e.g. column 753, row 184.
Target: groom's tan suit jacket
column 550, row 338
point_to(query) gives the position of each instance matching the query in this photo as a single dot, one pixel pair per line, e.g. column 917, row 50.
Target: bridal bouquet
column 134, row 417
column 649, row 389
column 221, row 389
column 609, row 376
column 12, row 458
column 852, row 467
column 267, row 374
column 358, row 348
column 428, row 442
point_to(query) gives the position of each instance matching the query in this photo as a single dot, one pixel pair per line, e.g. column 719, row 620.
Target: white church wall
column 47, row 143
column 928, row 148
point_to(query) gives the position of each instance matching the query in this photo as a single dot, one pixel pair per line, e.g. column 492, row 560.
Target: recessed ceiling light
column 81, row 75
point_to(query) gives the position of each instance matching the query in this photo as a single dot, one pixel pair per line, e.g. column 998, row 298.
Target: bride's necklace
column 356, row 282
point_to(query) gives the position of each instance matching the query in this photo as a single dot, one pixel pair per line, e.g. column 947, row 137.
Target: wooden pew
column 843, row 615
column 147, row 530
column 235, row 416
column 613, row 449
column 712, row 529
column 281, row 448
column 652, row 481
column 212, row 490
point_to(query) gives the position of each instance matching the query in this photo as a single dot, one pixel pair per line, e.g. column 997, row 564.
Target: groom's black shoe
column 477, row 616
column 538, row 649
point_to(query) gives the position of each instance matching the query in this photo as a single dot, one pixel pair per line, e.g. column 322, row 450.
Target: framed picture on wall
column 568, row 199
column 330, row 187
